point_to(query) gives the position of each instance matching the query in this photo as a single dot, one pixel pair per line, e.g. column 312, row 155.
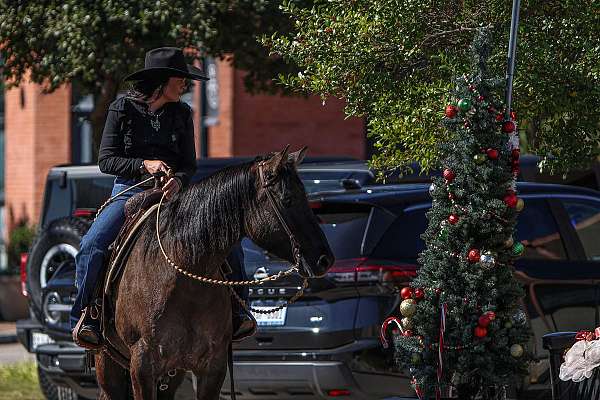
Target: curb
column 9, row 338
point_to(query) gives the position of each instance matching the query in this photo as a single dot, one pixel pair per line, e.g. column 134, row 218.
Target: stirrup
column 86, row 327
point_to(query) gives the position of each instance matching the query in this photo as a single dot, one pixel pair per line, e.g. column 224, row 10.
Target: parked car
column 326, row 344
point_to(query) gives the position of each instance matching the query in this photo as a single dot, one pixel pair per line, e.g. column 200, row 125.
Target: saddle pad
column 114, row 346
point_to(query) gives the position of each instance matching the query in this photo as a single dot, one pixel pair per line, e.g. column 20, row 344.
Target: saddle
column 137, row 210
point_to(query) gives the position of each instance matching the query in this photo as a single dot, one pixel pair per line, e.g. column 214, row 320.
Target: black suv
column 326, row 344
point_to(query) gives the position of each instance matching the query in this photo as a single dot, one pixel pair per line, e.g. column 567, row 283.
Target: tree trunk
column 102, row 99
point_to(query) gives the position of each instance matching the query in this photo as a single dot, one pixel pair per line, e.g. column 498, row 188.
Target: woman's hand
column 172, row 187
column 154, row 166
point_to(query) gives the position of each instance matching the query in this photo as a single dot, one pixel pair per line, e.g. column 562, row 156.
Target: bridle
column 267, row 182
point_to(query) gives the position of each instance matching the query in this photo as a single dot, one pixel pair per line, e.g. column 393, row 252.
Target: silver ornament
column 516, row 350
column 432, row 189
column 487, row 259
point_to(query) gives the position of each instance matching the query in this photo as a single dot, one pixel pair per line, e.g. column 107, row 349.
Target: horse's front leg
column 210, row 380
column 112, row 378
column 142, row 369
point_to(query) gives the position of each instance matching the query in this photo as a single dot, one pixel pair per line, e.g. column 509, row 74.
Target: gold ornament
column 520, row 205
column 516, row 350
column 508, row 243
column 408, row 307
column 407, row 323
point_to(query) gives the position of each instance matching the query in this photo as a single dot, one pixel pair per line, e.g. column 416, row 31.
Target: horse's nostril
column 324, row 262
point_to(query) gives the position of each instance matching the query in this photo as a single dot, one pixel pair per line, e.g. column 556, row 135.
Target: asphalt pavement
column 10, row 350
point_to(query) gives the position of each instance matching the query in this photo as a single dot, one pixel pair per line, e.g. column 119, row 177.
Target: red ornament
column 451, row 111
column 453, row 219
column 491, row 315
column 407, row 333
column 484, row 321
column 515, row 154
column 473, row 255
column 499, row 117
column 467, row 124
column 516, row 170
column 480, row 332
column 406, row 293
column 471, row 88
column 511, row 199
column 513, row 115
column 508, row 127
column 419, row 293
column 449, row 175
column 492, row 154
column 438, row 291
column 479, row 98
column 451, row 196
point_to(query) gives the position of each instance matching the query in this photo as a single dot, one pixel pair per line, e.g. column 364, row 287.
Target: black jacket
column 129, row 139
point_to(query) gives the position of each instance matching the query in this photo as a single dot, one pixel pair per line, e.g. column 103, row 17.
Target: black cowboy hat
column 166, row 61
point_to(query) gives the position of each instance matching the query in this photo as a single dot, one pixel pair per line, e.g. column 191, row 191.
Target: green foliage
column 475, row 194
column 19, row 241
column 19, row 381
column 97, row 43
column 393, row 60
column 59, row 41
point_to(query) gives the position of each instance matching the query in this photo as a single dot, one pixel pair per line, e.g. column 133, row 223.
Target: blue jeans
column 90, row 260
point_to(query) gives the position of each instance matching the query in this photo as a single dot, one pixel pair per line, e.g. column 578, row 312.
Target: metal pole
column 512, row 49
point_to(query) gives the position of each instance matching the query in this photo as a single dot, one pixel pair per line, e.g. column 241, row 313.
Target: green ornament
column 508, row 325
column 464, row 105
column 518, row 249
column 415, row 358
column 479, row 158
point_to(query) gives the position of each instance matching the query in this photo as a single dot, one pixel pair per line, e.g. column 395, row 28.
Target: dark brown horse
column 171, row 323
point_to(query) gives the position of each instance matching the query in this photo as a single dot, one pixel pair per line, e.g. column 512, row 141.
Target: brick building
column 42, row 130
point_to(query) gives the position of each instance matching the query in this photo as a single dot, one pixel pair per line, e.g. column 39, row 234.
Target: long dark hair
column 144, row 90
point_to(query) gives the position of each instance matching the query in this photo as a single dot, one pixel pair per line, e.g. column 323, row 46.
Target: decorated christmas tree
column 461, row 332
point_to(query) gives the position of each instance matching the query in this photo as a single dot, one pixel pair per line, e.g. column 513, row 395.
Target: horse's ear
column 279, row 159
column 298, row 156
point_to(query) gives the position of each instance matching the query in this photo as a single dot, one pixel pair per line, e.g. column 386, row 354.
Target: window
column 537, row 230
column 402, row 240
column 585, row 218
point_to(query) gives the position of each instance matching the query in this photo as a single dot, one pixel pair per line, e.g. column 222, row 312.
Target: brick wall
column 37, row 136
column 257, row 124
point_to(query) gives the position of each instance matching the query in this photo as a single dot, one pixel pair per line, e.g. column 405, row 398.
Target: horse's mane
column 205, row 218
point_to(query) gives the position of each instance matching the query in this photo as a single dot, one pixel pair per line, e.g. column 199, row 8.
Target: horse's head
column 283, row 222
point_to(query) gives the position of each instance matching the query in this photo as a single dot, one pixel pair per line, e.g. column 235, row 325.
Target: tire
column 54, row 245
column 49, row 389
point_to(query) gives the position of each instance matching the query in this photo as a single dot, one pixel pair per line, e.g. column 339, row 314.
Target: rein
column 266, row 184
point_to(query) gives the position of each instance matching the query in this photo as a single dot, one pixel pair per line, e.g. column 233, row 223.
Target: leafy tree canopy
column 97, row 43
column 394, row 62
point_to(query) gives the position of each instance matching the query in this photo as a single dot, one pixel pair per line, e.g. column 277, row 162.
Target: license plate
column 276, row 318
column 38, row 339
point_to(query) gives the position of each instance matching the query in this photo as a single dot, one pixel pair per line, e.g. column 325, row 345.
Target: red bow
column 588, row 335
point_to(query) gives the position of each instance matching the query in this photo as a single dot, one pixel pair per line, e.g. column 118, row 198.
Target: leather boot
column 87, row 332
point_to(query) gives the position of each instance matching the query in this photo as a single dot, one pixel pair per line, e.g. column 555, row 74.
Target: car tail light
column 315, row 204
column 338, row 392
column 365, row 271
column 84, row 212
column 23, row 269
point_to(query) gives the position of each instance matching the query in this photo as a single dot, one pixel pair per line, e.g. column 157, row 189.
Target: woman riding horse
column 149, row 131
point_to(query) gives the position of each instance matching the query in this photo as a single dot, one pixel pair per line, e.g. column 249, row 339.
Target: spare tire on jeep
column 55, row 245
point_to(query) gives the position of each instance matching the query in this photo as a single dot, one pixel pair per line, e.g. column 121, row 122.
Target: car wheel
column 49, row 389
column 54, row 245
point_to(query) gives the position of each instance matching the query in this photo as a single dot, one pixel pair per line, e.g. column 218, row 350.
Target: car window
column 402, row 240
column 91, row 192
column 538, row 231
column 343, row 224
column 585, row 218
